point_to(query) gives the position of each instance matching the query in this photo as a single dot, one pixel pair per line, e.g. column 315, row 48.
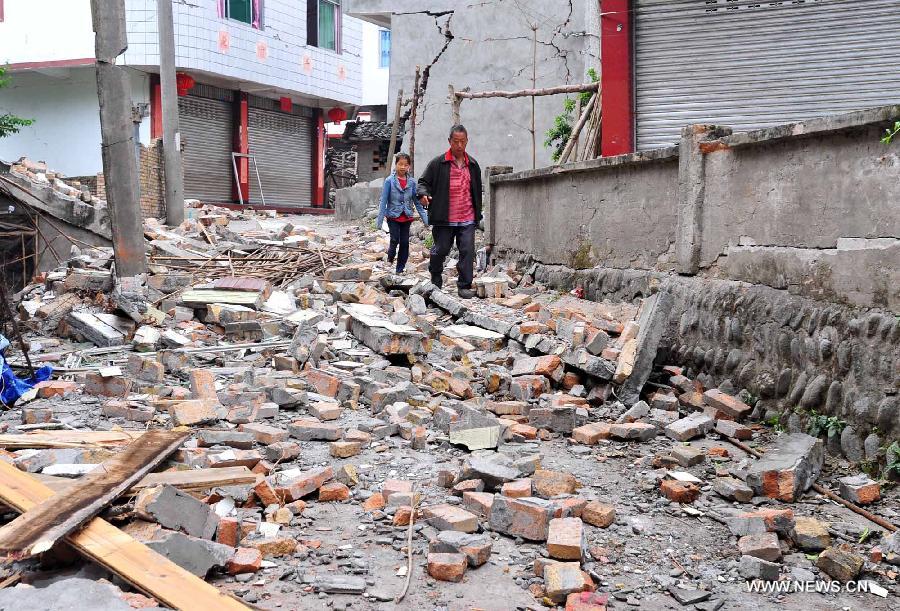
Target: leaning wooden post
column 394, row 131
column 412, row 120
column 455, row 102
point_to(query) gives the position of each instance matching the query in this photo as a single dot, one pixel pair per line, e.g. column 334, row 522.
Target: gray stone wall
column 486, row 46
column 797, row 355
column 809, row 208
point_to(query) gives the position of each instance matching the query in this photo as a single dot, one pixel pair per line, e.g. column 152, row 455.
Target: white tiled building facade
column 267, row 78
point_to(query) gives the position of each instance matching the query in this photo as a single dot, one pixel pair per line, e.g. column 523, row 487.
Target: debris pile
column 280, row 419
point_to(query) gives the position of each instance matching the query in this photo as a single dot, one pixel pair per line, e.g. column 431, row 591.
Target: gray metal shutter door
column 283, row 147
column 206, row 138
column 749, row 64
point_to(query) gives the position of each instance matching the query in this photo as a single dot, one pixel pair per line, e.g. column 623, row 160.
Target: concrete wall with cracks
column 486, row 46
column 808, row 208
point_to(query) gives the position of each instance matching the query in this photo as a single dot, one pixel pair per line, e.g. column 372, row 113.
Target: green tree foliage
column 890, row 133
column 10, row 124
column 563, row 124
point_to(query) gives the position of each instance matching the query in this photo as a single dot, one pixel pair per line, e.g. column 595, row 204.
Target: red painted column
column 156, row 128
column 616, row 77
column 241, row 145
column 318, row 165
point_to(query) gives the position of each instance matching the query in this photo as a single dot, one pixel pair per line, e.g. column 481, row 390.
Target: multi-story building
column 258, row 78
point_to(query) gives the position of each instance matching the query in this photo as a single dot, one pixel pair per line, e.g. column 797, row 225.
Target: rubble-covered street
column 337, row 431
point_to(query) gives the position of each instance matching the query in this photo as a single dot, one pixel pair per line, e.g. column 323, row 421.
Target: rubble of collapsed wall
column 796, row 355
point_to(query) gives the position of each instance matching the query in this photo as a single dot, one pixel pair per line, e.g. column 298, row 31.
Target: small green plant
column 558, row 136
column 775, row 423
column 372, row 226
column 429, row 241
column 749, row 398
column 869, row 467
column 893, row 460
column 10, row 124
column 865, row 535
column 891, row 133
column 820, row 423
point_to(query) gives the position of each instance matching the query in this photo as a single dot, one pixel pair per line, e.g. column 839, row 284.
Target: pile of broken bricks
column 386, row 410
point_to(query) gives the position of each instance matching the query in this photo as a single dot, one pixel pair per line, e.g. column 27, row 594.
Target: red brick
column 570, row 380
column 392, row 486
column 517, row 489
column 273, row 547
column 598, row 514
column 324, row 383
column 679, row 492
column 203, row 384
column 374, row 502
column 245, row 560
column 402, row 516
column 113, row 386
column 589, row 434
column 447, row 567
column 570, row 507
column 264, row 433
column 448, row 517
column 467, row 485
column 525, row 388
column 478, row 502
column 194, row 411
column 228, row 532
column 266, row 494
column 586, row 601
column 334, row 491
column 565, row 538
column 343, row 449
column 548, row 483
column 55, row 388
column 304, row 483
column 524, row 431
column 733, row 407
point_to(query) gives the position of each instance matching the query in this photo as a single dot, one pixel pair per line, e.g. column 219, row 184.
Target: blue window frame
column 385, row 48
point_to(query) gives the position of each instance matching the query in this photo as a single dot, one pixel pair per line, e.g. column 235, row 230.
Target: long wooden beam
column 133, row 561
column 39, row 528
column 527, row 93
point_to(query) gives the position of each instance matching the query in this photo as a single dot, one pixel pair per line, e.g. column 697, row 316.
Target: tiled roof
column 368, row 130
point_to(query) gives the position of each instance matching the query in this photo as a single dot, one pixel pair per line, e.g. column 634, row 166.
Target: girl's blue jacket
column 396, row 201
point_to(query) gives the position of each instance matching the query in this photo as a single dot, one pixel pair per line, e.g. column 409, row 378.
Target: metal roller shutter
column 206, row 137
column 282, row 145
column 749, row 64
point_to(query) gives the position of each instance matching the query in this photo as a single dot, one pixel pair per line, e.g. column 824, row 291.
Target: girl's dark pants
column 399, row 240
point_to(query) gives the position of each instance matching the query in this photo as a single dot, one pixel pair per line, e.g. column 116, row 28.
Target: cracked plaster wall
column 487, row 46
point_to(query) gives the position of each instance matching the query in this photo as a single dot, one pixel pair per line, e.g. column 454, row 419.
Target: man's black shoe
column 465, row 293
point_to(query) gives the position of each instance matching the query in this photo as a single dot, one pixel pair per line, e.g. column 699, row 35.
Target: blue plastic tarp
column 13, row 387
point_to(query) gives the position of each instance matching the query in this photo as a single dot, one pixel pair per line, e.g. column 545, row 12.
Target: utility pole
column 117, row 139
column 171, row 138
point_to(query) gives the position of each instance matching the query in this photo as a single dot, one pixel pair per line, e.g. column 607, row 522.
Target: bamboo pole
column 395, row 129
column 412, row 123
column 573, row 139
column 524, row 93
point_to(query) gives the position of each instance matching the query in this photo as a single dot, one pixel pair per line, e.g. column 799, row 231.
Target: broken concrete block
column 538, row 365
column 687, row 456
column 751, row 567
column 198, row 556
column 264, row 434
column 640, row 431
column 475, row 430
column 732, row 489
column 557, row 419
column 689, row 427
column 235, row 439
column 860, row 489
column 176, row 510
column 654, row 317
column 481, row 339
column 371, row 327
column 789, row 468
column 493, row 469
column 529, row 387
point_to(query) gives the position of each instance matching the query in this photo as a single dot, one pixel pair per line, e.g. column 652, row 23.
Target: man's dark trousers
column 443, row 242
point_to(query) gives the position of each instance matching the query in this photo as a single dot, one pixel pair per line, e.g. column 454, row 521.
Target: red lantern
column 336, row 115
column 286, row 104
column 184, row 82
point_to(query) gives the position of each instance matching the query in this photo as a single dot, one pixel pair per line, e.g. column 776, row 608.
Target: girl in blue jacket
column 398, row 198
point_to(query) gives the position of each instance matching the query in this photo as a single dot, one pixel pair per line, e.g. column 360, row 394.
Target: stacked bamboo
column 590, row 121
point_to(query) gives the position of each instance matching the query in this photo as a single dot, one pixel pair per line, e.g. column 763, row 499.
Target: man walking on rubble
column 450, row 188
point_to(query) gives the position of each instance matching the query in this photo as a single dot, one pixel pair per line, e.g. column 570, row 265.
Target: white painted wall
column 333, row 76
column 374, row 77
column 66, row 128
column 45, row 30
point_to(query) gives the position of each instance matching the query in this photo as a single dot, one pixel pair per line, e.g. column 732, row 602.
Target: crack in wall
column 426, row 73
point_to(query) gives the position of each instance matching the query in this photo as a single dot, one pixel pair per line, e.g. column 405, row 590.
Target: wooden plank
column 189, row 479
column 200, row 298
column 36, row 530
column 134, row 562
column 69, row 439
